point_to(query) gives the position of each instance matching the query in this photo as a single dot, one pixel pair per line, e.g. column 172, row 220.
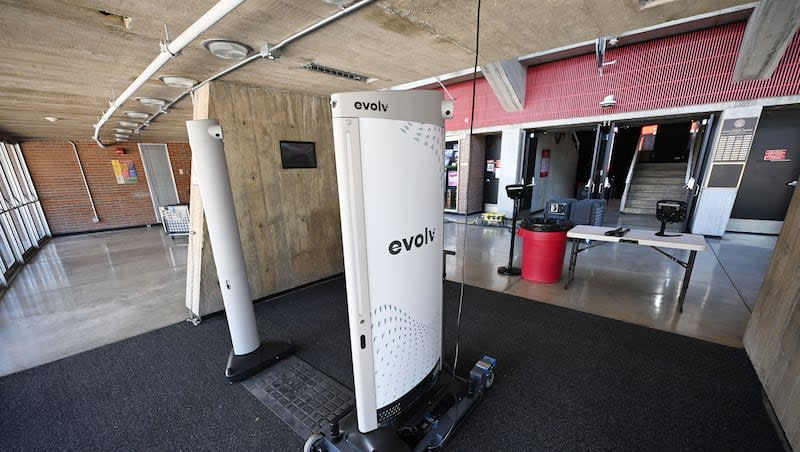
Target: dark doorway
column 773, row 163
column 671, row 143
column 490, row 181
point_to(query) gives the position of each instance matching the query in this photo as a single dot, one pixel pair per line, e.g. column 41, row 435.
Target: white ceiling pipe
column 168, row 51
column 265, row 52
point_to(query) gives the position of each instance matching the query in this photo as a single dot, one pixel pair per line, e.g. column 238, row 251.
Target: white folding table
column 691, row 242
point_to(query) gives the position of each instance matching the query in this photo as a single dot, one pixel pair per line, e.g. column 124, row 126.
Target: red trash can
column 544, row 241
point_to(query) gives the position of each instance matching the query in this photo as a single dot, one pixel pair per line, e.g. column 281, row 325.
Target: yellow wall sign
column 125, row 172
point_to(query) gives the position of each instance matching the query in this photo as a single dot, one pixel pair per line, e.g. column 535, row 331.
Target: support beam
column 507, row 79
column 769, row 31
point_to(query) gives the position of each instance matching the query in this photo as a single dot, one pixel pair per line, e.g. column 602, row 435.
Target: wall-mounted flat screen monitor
column 298, row 154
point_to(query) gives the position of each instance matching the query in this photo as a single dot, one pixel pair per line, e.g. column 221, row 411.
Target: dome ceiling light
column 137, row 114
column 226, row 49
column 151, row 101
column 176, row 81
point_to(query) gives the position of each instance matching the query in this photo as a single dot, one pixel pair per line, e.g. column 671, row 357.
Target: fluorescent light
column 119, row 135
column 128, row 123
column 137, row 114
column 177, row 81
column 52, row 118
column 151, row 101
column 226, row 49
column 123, row 130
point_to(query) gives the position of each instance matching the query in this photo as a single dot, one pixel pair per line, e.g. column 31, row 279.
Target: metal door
column 160, row 180
column 491, row 183
column 601, row 160
column 770, row 176
column 699, row 149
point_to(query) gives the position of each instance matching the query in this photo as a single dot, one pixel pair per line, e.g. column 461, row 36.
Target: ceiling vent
column 337, row 72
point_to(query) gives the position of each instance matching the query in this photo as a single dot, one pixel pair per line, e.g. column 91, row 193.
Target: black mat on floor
column 565, row 380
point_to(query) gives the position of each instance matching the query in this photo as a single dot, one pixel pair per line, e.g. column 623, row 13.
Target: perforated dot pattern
column 432, row 137
column 405, row 351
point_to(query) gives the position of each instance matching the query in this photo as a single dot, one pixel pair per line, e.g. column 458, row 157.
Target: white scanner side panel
column 390, row 176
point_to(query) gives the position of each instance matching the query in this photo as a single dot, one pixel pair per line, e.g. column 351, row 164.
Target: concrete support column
column 512, row 148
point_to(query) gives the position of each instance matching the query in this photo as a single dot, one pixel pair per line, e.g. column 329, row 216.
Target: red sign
column 544, row 168
column 775, row 155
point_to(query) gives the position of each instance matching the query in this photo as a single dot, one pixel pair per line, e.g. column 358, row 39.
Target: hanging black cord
column 466, row 214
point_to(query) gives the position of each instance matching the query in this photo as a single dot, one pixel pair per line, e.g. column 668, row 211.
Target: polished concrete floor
column 627, row 282
column 81, row 292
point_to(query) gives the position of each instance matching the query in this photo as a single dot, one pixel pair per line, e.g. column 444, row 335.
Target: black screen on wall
column 298, row 154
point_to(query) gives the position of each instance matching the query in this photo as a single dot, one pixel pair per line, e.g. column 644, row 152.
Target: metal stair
column 652, row 182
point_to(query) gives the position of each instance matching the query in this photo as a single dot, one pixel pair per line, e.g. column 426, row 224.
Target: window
column 23, row 227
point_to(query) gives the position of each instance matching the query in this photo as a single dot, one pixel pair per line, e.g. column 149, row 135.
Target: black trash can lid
column 541, row 224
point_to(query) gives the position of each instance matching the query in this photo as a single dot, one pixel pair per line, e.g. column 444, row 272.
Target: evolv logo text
column 379, row 106
column 418, row 241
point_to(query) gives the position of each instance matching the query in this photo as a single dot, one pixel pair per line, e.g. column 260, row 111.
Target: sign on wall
column 125, row 171
column 775, row 155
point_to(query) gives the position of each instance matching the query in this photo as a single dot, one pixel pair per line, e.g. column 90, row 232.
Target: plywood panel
column 772, row 339
column 288, row 218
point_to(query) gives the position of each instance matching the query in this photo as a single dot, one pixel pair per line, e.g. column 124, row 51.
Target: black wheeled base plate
column 425, row 426
column 300, row 395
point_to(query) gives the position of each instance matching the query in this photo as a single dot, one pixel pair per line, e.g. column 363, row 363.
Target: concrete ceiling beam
column 769, row 31
column 508, row 80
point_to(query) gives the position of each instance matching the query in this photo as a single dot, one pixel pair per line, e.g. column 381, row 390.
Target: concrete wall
column 510, row 171
column 288, row 218
column 772, row 338
column 57, row 178
column 560, row 181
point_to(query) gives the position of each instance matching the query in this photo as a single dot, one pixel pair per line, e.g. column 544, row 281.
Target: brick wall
column 180, row 156
column 471, row 158
column 66, row 205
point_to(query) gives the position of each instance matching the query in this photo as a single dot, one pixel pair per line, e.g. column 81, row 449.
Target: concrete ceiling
column 64, row 58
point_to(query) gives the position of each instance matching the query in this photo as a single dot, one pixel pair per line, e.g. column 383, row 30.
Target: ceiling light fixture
column 52, row 118
column 177, row 81
column 152, row 101
column 123, row 130
column 137, row 114
column 128, row 124
column 226, row 49
column 119, row 135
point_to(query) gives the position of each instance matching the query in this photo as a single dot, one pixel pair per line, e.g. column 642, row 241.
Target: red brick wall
column 58, row 182
column 687, row 69
column 180, row 156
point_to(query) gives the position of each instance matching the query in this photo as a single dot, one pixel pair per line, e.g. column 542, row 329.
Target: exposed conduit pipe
column 168, row 51
column 267, row 51
column 95, row 219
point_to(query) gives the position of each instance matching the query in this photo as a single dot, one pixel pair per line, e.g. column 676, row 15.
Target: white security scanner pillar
column 249, row 355
column 390, row 171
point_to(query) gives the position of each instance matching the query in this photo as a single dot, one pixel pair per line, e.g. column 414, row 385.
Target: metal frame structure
column 23, row 226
